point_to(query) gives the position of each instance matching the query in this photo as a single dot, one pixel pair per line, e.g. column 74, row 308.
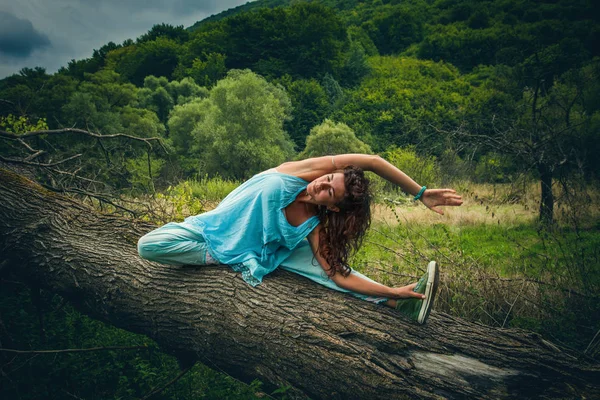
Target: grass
column 499, row 266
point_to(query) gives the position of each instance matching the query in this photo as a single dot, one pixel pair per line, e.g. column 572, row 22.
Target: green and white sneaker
column 418, row 309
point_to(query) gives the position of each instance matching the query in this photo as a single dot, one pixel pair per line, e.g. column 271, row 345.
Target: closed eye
column 331, row 191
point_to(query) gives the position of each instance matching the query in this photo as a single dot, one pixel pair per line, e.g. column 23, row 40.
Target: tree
column 332, row 138
column 355, row 66
column 157, row 57
column 175, row 33
column 98, row 101
column 401, row 98
column 549, row 133
column 310, row 106
column 238, row 129
column 288, row 331
column 206, row 72
column 304, row 41
column 160, row 95
column 422, row 169
column 182, row 122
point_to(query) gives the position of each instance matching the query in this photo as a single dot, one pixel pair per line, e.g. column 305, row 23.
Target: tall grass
column 499, row 266
column 212, row 190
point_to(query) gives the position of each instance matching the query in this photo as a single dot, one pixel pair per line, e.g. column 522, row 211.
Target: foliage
column 160, row 95
column 140, row 173
column 310, row 106
column 422, row 169
column 16, row 124
column 175, row 33
column 206, row 70
column 332, row 138
column 400, row 101
column 355, row 66
column 494, row 168
column 157, row 57
column 238, row 129
column 212, row 190
column 304, row 40
column 116, row 374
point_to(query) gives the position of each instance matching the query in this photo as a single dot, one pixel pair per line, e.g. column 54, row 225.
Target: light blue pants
column 175, row 244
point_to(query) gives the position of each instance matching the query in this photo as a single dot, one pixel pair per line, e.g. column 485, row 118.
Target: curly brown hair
column 342, row 232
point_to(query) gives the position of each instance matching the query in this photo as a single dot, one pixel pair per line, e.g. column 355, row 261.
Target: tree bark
column 286, row 331
column 547, row 198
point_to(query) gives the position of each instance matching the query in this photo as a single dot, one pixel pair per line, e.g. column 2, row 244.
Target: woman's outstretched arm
column 358, row 284
column 312, row 168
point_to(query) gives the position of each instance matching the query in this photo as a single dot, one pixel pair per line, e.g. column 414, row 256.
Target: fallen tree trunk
column 287, row 331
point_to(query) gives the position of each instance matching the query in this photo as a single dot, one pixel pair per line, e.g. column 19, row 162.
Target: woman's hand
column 432, row 198
column 406, row 292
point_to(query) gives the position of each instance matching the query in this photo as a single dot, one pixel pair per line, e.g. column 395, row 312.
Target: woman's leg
column 175, row 244
column 302, row 262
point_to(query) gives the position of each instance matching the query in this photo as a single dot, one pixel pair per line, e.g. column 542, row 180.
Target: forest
column 498, row 99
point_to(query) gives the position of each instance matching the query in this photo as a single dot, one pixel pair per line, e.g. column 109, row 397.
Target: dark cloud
column 18, row 37
column 177, row 7
column 73, row 28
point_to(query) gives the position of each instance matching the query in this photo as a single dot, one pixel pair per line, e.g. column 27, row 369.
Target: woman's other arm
column 358, row 284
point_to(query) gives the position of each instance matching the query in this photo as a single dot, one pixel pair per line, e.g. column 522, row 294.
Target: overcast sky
column 50, row 33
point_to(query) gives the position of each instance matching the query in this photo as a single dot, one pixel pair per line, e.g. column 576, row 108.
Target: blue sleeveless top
column 249, row 230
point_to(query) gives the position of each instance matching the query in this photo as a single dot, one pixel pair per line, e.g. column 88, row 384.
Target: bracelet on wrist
column 418, row 196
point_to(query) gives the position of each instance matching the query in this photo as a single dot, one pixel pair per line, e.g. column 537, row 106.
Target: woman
column 264, row 224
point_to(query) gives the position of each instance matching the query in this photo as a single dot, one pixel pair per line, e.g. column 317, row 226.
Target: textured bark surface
column 286, row 331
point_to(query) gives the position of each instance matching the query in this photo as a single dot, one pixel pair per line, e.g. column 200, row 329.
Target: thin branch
column 72, row 350
column 94, row 195
column 161, row 388
column 370, row 265
column 588, row 347
column 35, row 155
column 74, row 175
column 10, row 135
column 513, row 304
column 28, row 147
column 12, row 160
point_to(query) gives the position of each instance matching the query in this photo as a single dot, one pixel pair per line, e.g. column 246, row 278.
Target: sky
column 50, row 33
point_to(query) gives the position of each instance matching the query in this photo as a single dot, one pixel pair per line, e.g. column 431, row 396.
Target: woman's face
column 328, row 190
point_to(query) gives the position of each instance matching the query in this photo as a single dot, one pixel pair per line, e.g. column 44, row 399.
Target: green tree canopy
column 332, row 138
column 238, row 129
column 310, row 104
column 157, row 57
column 160, row 95
column 402, row 99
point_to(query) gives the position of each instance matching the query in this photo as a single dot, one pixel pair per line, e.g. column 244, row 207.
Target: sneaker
column 418, row 309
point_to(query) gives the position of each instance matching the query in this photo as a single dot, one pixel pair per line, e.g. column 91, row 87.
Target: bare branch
column 10, row 135
column 14, row 161
column 35, row 155
column 72, row 350
column 134, row 214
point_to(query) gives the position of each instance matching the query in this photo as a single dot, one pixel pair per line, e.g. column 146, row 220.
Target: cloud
column 73, row 28
column 18, row 37
column 176, row 7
